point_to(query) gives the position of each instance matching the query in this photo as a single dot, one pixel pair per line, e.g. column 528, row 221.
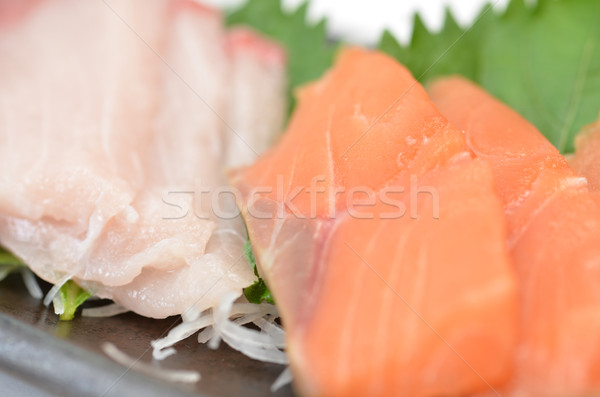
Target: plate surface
column 42, row 356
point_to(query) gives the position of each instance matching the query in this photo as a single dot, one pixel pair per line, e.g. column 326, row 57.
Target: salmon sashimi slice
column 108, row 130
column 586, row 160
column 382, row 241
column 492, row 134
column 554, row 229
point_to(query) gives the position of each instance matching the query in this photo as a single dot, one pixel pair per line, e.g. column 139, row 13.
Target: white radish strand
column 162, row 354
column 252, row 343
column 51, row 295
column 270, row 328
column 206, row 334
column 261, row 353
column 221, row 313
column 31, row 283
column 179, row 333
column 109, row 310
column 249, row 336
column 209, row 332
column 59, row 307
column 160, row 373
column 283, row 379
column 249, row 313
column 28, row 278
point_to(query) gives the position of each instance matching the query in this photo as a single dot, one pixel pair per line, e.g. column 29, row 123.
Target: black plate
column 42, row 356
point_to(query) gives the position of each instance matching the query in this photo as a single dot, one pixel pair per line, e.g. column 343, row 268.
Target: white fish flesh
column 117, row 121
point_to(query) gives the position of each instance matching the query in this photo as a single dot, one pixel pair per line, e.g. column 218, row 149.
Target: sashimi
column 76, row 113
column 252, row 113
column 257, row 109
column 586, row 160
column 382, row 241
column 115, row 118
column 554, row 237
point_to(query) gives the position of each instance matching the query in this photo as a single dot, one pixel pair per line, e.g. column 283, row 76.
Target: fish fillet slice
column 408, row 300
column 256, row 111
column 368, row 303
column 520, row 156
column 108, row 145
column 554, row 224
column 187, row 141
column 253, row 107
column 75, row 115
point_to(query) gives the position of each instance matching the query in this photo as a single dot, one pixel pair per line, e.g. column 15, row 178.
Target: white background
column 362, row 21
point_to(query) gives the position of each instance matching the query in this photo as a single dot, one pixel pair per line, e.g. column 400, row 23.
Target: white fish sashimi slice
column 76, row 111
column 199, row 286
column 188, row 144
column 70, row 127
column 187, row 153
column 116, row 130
column 254, row 107
column 257, row 109
column 157, row 238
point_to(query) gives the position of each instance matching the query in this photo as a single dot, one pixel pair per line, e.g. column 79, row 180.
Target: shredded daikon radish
column 160, row 373
column 270, row 328
column 252, row 337
column 191, row 314
column 247, row 308
column 54, row 291
column 206, row 334
column 226, row 322
column 180, row 332
column 31, row 283
column 249, row 312
column 28, row 278
column 252, row 343
column 283, row 379
column 109, row 310
column 209, row 332
column 268, row 354
column 162, row 354
column 59, row 307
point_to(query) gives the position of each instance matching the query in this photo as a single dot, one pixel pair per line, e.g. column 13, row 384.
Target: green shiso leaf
column 8, row 263
column 543, row 61
column 249, row 255
column 72, row 296
column 257, row 292
column 7, row 258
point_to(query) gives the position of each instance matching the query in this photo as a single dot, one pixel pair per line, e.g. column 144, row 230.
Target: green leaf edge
column 72, row 296
column 258, row 292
